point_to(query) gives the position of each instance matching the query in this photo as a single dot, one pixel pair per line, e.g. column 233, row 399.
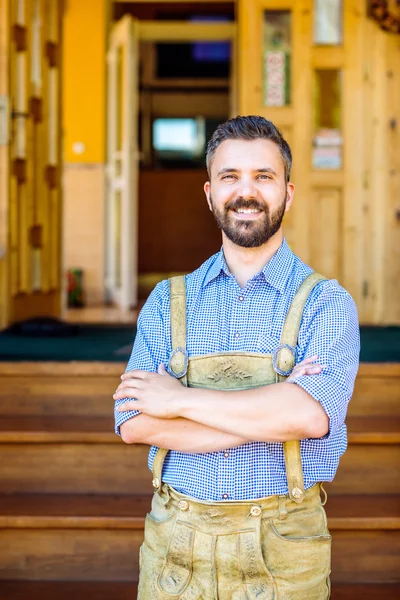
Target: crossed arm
column 197, row 420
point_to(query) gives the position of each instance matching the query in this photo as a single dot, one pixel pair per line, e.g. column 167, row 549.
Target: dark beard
column 249, row 234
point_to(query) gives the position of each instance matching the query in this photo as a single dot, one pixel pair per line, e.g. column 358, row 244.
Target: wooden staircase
column 73, row 497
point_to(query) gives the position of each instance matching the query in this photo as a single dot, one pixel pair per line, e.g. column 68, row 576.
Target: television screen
column 175, row 135
column 181, row 142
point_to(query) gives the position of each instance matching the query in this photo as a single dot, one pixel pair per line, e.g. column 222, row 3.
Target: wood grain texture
column 74, row 467
column 100, row 429
column 117, row 590
column 77, row 511
column 112, row 554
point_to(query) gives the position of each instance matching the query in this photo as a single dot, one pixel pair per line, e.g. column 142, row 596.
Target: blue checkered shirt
column 222, row 317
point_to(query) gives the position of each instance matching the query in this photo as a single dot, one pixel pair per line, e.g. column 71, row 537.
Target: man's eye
column 264, row 177
column 228, row 177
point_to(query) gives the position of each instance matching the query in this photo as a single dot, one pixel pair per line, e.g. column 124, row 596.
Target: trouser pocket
column 166, row 559
column 297, row 552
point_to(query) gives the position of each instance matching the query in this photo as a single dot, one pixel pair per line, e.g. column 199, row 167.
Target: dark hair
column 249, row 128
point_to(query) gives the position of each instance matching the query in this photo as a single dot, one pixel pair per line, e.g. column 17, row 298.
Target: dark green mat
column 110, row 343
column 91, row 343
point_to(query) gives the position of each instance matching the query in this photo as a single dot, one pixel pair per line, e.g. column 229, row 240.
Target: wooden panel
column 375, row 396
column 82, row 590
column 70, row 554
column 184, row 233
column 105, row 555
column 391, row 259
column 179, row 104
column 325, row 213
column 118, row 590
column 86, row 388
column 368, row 556
column 88, row 511
column 365, row 469
column 177, row 31
column 302, row 125
column 62, row 395
column 34, row 228
column 354, row 147
column 78, row 468
column 37, row 304
column 4, row 160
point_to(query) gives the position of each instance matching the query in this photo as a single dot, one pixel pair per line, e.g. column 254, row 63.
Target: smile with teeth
column 247, row 211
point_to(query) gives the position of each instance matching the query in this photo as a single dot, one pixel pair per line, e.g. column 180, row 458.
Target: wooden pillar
column 4, row 160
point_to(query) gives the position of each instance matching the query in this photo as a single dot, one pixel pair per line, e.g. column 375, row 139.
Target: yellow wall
column 84, row 105
column 83, row 80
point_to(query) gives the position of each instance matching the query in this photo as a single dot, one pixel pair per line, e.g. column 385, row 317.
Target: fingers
column 135, row 374
column 305, row 368
column 162, row 370
column 126, row 392
column 133, row 383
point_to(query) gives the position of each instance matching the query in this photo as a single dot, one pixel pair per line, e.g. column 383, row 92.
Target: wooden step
column 83, row 429
column 86, row 388
column 67, row 388
column 56, row 454
column 75, row 467
column 97, row 537
column 117, row 590
column 89, row 511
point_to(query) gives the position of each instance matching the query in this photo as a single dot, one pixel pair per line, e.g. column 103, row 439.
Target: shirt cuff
column 329, row 394
column 121, row 417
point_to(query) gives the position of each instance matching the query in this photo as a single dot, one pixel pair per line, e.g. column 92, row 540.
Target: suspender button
column 296, row 492
column 156, row 483
column 255, row 511
column 183, row 505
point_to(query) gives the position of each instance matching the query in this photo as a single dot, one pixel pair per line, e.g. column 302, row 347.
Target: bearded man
column 239, row 380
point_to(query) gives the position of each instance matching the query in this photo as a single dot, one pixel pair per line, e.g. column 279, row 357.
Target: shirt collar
column 276, row 271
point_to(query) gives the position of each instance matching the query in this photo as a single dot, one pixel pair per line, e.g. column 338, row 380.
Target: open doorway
column 181, row 85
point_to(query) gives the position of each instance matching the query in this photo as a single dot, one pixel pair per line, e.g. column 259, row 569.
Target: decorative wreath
column 381, row 13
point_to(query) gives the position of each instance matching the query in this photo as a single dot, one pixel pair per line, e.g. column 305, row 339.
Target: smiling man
column 239, row 380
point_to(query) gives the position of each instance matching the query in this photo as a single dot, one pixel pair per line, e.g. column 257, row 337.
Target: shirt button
column 225, row 496
column 241, row 298
column 226, row 454
column 237, row 335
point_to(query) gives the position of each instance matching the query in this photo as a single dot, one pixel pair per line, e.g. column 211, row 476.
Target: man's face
column 247, row 192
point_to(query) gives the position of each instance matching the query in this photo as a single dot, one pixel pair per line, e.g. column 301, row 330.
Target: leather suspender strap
column 286, row 361
column 178, row 360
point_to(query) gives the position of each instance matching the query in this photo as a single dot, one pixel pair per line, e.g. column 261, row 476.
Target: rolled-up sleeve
column 149, row 348
column 330, row 330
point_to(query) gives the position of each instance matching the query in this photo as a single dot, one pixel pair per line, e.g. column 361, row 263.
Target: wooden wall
column 381, row 193
column 345, row 222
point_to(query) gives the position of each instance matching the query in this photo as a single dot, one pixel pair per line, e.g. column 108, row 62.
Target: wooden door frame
column 149, row 31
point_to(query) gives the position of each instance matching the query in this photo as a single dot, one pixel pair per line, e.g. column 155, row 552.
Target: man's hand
column 156, row 393
column 305, row 367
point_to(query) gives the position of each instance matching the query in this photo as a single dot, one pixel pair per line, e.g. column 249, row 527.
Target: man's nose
column 247, row 188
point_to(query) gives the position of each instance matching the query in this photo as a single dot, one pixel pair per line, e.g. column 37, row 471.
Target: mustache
column 239, row 203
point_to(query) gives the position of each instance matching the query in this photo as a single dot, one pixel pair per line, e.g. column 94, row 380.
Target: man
column 237, row 512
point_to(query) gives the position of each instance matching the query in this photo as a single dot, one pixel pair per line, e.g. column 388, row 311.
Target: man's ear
column 207, row 191
column 289, row 195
